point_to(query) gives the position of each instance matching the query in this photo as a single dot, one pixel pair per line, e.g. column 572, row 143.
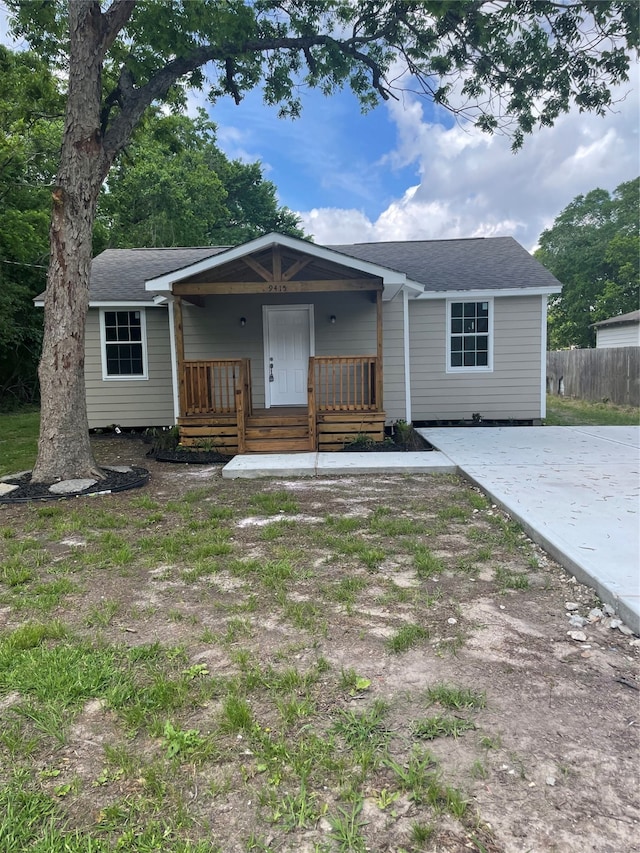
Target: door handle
column 271, row 379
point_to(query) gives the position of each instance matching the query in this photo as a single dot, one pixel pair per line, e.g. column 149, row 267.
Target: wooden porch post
column 379, row 352
column 179, row 334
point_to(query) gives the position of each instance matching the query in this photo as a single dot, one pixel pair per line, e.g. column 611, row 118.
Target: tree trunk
column 64, row 450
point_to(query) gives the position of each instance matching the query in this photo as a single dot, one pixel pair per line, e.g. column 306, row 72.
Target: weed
column 477, row 500
column 277, row 529
column 102, row 614
column 414, row 777
column 301, row 614
column 354, row 546
column 365, row 728
column 352, row 682
column 431, row 728
column 343, row 524
column 406, row 637
column 454, row 512
column 507, row 579
column 346, row 829
column 386, row 798
column 236, row 715
column 456, row 698
column 272, row 503
column 15, row 572
column 421, row 833
column 426, row 563
column 478, row 770
column 179, row 742
column 347, row 589
column 488, row 742
column 297, row 811
column 381, row 524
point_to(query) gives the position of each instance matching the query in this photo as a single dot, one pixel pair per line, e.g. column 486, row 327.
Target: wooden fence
column 611, row 373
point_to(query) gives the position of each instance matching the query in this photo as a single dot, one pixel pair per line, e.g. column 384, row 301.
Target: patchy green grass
column 406, row 638
column 18, row 440
column 174, row 678
column 566, row 411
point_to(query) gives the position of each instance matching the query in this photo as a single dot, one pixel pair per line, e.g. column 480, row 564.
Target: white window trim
column 463, row 369
column 106, row 377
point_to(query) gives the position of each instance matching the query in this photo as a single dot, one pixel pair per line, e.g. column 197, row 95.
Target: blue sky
column 332, row 153
column 409, row 171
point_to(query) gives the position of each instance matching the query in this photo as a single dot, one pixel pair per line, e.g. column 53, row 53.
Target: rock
column 68, row 487
column 578, row 636
column 626, row 630
column 572, row 605
column 550, row 780
column 7, row 488
column 615, row 623
column 119, row 469
column 609, row 610
column 595, row 615
column 452, row 621
column 577, row 621
column 17, row 476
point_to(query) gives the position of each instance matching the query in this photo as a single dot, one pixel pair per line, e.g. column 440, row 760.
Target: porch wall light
column 243, row 321
column 332, row 319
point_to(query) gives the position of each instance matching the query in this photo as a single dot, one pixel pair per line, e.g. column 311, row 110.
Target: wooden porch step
column 297, row 431
column 260, row 421
column 278, row 445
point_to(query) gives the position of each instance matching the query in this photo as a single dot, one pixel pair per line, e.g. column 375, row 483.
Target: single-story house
column 283, row 344
column 620, row 331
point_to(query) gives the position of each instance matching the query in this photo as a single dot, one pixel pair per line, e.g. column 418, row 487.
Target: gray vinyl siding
column 511, row 390
column 618, row 336
column 215, row 331
column 131, row 402
column 394, row 402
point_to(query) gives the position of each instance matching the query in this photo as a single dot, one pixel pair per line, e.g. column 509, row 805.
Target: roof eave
column 547, row 290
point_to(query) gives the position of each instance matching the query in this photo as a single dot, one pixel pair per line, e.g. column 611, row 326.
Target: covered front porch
column 278, row 347
column 342, row 401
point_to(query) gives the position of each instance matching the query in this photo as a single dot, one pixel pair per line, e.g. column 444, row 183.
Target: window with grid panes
column 469, row 334
column 123, row 343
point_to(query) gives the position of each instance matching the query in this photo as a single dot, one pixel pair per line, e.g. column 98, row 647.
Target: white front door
column 288, row 345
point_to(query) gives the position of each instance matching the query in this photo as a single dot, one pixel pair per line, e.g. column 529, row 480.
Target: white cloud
column 472, row 184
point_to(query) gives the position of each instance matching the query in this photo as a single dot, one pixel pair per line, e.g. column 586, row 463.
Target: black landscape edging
column 119, row 484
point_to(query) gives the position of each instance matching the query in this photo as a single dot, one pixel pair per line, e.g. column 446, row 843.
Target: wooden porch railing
column 344, row 383
column 217, row 387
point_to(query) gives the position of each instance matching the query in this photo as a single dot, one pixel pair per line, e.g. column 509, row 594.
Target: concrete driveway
column 575, row 490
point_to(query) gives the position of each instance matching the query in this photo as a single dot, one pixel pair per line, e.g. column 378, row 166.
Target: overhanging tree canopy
column 517, row 63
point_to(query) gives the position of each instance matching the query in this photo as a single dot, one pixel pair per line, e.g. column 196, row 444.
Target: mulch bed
column 115, row 481
column 191, row 457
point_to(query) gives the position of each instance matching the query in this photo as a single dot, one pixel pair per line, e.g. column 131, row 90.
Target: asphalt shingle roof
column 118, row 275
column 620, row 320
column 443, row 265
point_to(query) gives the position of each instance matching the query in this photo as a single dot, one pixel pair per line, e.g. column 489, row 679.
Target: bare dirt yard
column 371, row 663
